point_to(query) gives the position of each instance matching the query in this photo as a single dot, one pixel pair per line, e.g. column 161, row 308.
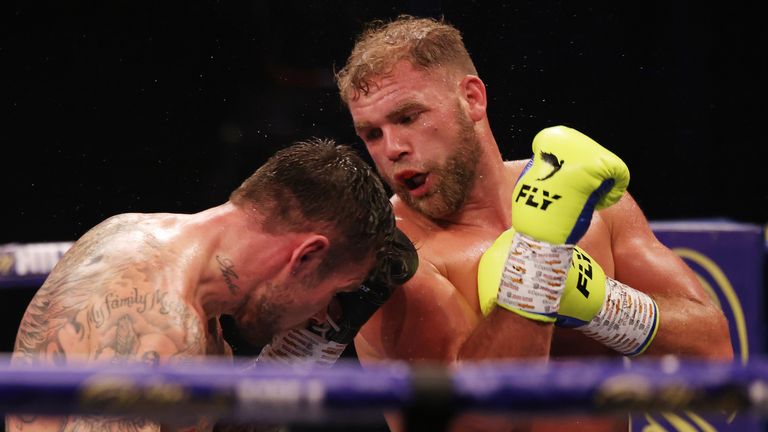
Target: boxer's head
column 419, row 107
column 318, row 186
column 336, row 202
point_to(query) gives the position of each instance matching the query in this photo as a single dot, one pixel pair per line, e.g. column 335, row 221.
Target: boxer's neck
column 236, row 257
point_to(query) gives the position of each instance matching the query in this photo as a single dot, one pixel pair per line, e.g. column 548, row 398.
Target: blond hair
column 424, row 42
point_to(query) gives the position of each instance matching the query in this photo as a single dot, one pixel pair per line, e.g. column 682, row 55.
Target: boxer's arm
column 439, row 325
column 690, row 323
column 425, row 319
column 420, row 321
column 113, row 327
column 429, row 319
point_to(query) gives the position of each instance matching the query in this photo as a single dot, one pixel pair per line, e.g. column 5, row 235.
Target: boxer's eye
column 373, row 134
column 408, row 119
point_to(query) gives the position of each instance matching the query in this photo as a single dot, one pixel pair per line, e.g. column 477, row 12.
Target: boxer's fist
column 568, row 177
column 490, row 269
column 584, row 291
column 396, row 267
column 614, row 314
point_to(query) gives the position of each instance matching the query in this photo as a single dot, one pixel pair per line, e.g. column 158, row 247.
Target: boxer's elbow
column 721, row 347
column 714, row 343
column 690, row 328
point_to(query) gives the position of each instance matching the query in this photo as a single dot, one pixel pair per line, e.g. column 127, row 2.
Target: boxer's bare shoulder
column 515, row 168
column 114, row 296
column 430, row 300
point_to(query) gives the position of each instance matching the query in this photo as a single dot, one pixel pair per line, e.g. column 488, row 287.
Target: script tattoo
column 101, row 306
column 227, row 268
column 87, row 424
column 158, row 301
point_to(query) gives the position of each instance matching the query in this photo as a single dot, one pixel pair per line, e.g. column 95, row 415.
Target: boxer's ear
column 308, row 255
column 473, row 92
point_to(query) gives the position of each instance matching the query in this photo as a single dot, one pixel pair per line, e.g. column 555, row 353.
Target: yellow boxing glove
column 606, row 310
column 584, row 291
column 568, row 177
column 584, row 285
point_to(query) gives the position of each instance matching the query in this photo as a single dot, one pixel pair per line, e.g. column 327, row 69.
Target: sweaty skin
column 151, row 288
column 115, row 305
column 409, row 123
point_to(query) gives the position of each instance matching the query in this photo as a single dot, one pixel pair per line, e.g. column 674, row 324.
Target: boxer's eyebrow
column 393, row 115
column 403, row 109
column 361, row 126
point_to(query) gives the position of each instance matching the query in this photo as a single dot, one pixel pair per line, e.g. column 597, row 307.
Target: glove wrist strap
column 303, row 346
column 627, row 322
column 533, row 279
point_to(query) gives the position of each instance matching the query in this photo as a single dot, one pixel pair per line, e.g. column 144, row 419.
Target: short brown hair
column 425, row 42
column 317, row 185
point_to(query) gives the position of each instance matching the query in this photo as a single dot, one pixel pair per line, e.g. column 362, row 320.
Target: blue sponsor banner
column 728, row 258
column 29, row 264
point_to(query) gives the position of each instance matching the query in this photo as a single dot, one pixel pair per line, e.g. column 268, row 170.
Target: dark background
column 156, row 106
column 147, row 106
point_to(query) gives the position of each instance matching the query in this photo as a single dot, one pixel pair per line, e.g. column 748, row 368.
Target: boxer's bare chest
column 455, row 253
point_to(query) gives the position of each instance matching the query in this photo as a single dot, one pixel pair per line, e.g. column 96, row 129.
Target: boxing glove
column 568, row 177
column 606, row 310
column 584, row 291
column 323, row 343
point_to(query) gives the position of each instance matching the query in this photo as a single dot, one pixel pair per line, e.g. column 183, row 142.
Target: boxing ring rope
column 347, row 394
column 271, row 394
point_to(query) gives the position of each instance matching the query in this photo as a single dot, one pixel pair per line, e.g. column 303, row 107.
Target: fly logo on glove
column 614, row 314
column 569, row 177
column 584, row 265
column 582, row 174
column 532, row 194
column 553, row 161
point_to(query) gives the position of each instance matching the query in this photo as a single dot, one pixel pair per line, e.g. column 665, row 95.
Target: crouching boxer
column 307, row 225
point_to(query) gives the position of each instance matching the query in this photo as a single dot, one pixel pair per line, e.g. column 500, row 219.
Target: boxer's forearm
column 504, row 334
column 690, row 329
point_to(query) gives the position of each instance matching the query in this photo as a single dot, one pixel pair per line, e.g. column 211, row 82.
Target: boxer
column 420, row 108
column 310, row 223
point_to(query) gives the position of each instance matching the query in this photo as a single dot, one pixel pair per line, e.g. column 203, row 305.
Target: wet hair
column 319, row 186
column 425, row 42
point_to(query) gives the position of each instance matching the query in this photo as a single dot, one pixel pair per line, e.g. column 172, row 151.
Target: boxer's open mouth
column 415, row 181
column 412, row 179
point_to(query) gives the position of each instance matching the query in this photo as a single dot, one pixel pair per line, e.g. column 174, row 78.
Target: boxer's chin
column 446, row 199
column 258, row 321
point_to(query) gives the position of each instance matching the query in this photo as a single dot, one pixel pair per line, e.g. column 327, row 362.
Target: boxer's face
column 282, row 304
column 423, row 143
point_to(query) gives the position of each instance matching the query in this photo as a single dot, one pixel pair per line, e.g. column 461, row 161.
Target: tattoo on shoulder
column 227, row 268
column 112, row 424
column 115, row 327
